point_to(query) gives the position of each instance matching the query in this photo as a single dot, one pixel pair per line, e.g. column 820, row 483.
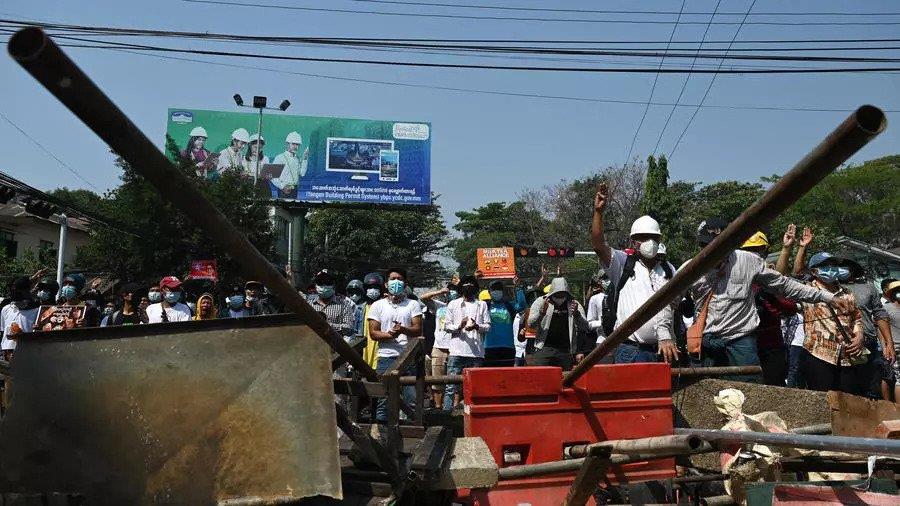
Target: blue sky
column 485, row 147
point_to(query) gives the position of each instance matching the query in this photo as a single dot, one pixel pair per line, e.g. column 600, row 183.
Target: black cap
column 323, row 277
column 468, row 280
column 709, row 229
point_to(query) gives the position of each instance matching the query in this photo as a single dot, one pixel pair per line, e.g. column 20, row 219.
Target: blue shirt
column 501, row 333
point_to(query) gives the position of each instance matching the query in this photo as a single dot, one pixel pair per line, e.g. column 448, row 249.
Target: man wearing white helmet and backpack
column 294, row 167
column 231, row 157
column 635, row 275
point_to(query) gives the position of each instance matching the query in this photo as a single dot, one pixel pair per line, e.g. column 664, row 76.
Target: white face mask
column 649, row 249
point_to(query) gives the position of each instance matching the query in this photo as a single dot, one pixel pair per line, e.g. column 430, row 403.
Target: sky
column 485, row 147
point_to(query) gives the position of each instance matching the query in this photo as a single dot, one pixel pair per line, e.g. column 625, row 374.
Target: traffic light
column 525, row 252
column 557, row 252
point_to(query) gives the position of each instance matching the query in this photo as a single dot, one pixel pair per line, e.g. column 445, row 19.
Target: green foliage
column 495, row 224
column 166, row 239
column 26, row 265
column 352, row 242
column 655, row 188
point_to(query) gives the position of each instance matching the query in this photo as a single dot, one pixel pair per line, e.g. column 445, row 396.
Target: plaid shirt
column 824, row 338
column 339, row 311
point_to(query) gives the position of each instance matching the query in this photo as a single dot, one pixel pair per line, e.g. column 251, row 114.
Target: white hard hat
column 255, row 137
column 198, row 132
column 645, row 225
column 294, row 138
column 241, row 135
column 661, row 250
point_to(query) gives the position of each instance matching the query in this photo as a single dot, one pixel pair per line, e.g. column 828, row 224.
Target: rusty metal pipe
column 865, row 445
column 47, row 63
column 568, row 466
column 851, row 135
column 649, row 445
column 676, row 371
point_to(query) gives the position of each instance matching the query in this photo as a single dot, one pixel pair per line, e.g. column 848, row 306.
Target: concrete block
column 470, row 466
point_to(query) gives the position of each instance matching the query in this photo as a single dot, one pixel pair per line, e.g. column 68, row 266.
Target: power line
column 47, row 151
column 652, row 89
column 544, row 20
column 706, row 93
column 686, row 80
column 483, row 91
column 609, row 11
column 719, row 70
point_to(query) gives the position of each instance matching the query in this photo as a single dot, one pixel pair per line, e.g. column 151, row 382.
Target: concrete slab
column 470, row 466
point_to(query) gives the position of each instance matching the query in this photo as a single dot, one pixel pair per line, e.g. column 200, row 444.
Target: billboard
column 496, row 263
column 310, row 158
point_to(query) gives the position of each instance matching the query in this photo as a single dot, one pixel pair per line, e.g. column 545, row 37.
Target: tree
column 157, row 239
column 353, row 242
column 656, row 187
column 492, row 225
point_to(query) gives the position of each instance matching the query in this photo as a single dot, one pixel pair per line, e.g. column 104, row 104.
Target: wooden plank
column 857, row 416
column 593, row 469
column 431, row 452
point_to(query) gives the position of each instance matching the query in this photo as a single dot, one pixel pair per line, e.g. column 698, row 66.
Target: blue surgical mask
column 843, row 274
column 453, row 294
column 173, row 297
column 154, row 297
column 107, row 310
column 67, row 292
column 235, row 301
column 326, row 292
column 43, row 295
column 396, row 286
column 373, row 293
column 496, row 295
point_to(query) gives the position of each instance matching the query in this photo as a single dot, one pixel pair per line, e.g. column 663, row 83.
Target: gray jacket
column 577, row 321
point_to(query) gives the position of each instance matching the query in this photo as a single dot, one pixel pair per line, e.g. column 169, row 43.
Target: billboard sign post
column 311, row 158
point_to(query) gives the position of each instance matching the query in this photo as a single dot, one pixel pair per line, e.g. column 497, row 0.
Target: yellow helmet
column 757, row 239
column 484, row 295
column 547, row 289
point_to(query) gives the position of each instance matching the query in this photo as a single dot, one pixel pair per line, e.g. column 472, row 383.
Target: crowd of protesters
column 818, row 323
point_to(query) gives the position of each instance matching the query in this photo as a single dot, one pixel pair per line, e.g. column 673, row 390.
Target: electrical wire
column 705, row 94
column 686, row 80
column 652, row 89
column 536, row 19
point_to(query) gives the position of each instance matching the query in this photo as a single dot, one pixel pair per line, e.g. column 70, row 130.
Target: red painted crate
column 526, row 410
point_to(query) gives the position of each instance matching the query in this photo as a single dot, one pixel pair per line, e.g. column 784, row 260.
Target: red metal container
column 526, row 417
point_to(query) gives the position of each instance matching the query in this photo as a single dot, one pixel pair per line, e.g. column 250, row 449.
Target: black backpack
column 611, row 301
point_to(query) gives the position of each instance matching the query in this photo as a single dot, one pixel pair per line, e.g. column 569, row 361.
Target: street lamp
column 259, row 103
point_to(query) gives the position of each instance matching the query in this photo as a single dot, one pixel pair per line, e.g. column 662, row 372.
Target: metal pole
column 647, row 445
column 676, row 371
column 46, row 62
column 290, row 247
column 855, row 131
column 258, row 147
column 869, row 446
column 61, row 250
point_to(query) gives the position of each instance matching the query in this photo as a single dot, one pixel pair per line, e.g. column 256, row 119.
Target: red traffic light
column 557, row 252
column 552, row 253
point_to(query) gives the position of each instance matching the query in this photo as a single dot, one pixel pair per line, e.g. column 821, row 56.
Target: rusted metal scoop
column 189, row 413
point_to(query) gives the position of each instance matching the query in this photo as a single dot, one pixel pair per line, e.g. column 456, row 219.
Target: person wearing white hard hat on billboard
column 195, row 151
column 231, row 158
column 294, row 166
column 255, row 157
column 635, row 275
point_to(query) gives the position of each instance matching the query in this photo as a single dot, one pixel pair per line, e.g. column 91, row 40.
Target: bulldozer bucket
column 223, row 411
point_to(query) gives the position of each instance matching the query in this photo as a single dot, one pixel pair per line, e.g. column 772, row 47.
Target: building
column 22, row 232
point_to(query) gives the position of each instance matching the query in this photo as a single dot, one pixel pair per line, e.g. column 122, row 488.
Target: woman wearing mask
column 69, row 292
column 46, row 291
column 373, row 283
column 206, row 307
column 234, row 303
column 131, row 312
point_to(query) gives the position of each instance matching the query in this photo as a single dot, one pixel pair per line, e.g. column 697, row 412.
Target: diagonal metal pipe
column 47, row 63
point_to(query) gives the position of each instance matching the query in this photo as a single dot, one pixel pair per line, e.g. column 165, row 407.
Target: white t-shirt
column 635, row 292
column 441, row 336
column 467, row 343
column 12, row 314
column 520, row 345
column 595, row 315
column 386, row 312
column 178, row 313
column 792, row 328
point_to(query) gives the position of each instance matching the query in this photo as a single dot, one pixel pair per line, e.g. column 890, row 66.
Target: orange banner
column 496, row 262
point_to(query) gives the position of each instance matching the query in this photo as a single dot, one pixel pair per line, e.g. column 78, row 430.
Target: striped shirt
column 340, row 312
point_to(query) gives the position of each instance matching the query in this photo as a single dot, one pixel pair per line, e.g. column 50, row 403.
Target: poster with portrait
column 59, row 317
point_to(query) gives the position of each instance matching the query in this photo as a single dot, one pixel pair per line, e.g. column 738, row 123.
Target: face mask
column 469, row 291
column 827, row 275
column 235, row 301
column 173, row 297
column 107, row 310
column 43, row 295
column 373, row 293
column 326, row 292
column 355, row 297
column 649, row 249
column 396, row 286
column 453, row 294
column 154, row 297
column 67, row 292
column 843, row 274
column 496, row 295
column 605, row 284
column 251, row 299
column 558, row 299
